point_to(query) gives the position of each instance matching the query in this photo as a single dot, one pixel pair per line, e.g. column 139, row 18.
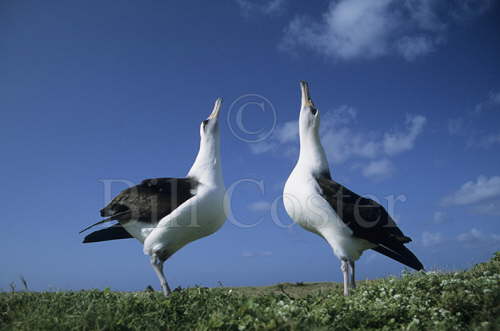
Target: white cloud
column 471, row 192
column 413, row 47
column 495, row 98
column 490, row 139
column 288, row 132
column 424, row 14
column 348, row 29
column 282, row 134
column 266, row 7
column 431, row 239
column 475, row 236
column 483, row 140
column 490, row 208
column 262, row 147
column 467, row 127
column 439, row 217
column 343, row 142
column 466, row 9
column 274, row 6
column 351, row 29
column 259, row 206
column 398, row 142
column 491, row 102
column 472, row 235
column 379, row 169
column 342, row 115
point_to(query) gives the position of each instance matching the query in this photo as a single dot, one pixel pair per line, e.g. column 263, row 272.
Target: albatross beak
column 306, row 97
column 217, row 106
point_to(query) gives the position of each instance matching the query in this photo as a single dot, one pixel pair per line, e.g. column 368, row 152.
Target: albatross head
column 206, row 166
column 309, row 114
column 209, row 128
column 312, row 155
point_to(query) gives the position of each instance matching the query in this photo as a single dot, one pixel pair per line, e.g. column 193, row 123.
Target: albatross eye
column 314, row 111
column 205, row 122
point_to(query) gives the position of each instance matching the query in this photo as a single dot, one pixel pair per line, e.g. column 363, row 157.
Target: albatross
column 349, row 223
column 165, row 214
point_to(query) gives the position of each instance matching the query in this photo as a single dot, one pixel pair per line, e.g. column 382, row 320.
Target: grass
column 419, row 301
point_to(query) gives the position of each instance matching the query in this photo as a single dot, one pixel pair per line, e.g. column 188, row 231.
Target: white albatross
column 349, row 223
column 165, row 214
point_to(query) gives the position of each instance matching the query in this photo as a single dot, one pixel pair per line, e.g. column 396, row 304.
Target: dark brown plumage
column 148, row 202
column 369, row 221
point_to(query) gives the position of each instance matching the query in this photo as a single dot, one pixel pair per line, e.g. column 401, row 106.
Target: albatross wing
column 114, row 232
column 147, row 203
column 368, row 220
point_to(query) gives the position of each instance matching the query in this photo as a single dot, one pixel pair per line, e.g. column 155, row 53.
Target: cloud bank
column 471, row 192
column 353, row 29
column 430, row 239
column 482, row 195
column 343, row 142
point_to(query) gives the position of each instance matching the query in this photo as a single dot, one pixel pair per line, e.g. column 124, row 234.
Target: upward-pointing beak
column 306, row 97
column 215, row 111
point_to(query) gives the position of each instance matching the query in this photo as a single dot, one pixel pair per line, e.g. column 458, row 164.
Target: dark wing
column 368, row 220
column 149, row 201
column 114, row 232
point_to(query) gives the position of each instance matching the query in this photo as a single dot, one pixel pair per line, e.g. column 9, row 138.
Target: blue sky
column 96, row 92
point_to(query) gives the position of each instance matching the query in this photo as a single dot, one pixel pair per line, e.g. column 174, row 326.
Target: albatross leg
column 345, row 271
column 157, row 265
column 353, row 276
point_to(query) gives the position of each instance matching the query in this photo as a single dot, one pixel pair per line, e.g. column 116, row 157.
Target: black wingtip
column 418, row 266
column 88, row 238
column 112, row 233
column 401, row 254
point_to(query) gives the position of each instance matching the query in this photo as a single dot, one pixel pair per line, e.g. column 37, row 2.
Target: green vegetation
column 429, row 301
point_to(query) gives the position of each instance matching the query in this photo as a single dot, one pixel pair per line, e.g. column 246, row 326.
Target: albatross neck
column 312, row 157
column 207, row 166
